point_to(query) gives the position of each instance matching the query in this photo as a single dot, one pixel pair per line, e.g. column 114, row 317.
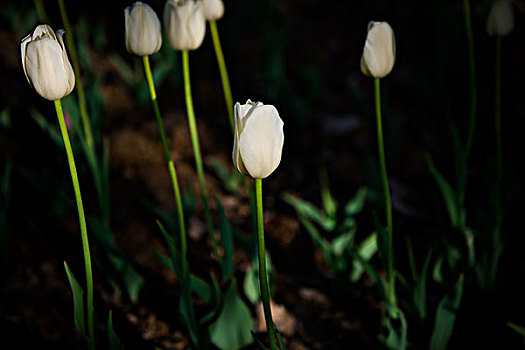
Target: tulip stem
column 224, row 73
column 263, row 279
column 171, row 166
column 76, row 67
column 472, row 67
column 82, row 219
column 386, row 190
column 498, row 212
column 197, row 151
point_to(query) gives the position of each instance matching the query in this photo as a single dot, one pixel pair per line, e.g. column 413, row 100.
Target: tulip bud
column 45, row 63
column 259, row 138
column 213, row 9
column 184, row 23
column 143, row 36
column 501, row 18
column 379, row 54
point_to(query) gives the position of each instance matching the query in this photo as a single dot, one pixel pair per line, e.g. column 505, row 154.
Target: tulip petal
column 261, row 141
column 379, row 52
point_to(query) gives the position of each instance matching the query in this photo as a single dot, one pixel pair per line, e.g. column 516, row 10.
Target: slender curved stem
column 82, row 219
column 386, row 190
column 224, row 73
column 473, row 100
column 197, row 151
column 263, row 279
column 171, row 166
column 41, row 11
column 499, row 158
column 76, row 67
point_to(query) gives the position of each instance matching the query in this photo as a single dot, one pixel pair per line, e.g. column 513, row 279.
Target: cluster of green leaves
column 227, row 323
column 338, row 240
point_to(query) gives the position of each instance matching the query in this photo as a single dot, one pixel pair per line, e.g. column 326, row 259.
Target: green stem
column 473, row 91
column 76, row 67
column 263, row 279
column 41, row 11
column 171, row 166
column 224, row 73
column 197, row 151
column 497, row 243
column 386, row 190
column 499, row 158
column 82, row 219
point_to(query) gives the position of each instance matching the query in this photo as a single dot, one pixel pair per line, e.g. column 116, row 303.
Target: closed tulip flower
column 213, row 9
column 184, row 23
column 258, row 140
column 379, row 53
column 501, row 18
column 45, row 63
column 143, row 35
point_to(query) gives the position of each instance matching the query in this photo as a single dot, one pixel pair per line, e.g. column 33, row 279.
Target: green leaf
column 446, row 316
column 188, row 313
column 216, row 300
column 420, row 296
column 251, row 279
column 226, row 242
column 329, row 204
column 382, row 241
column 78, row 301
column 365, row 250
column 520, row 330
column 232, row 330
column 114, row 341
column 340, row 243
column 355, row 205
column 201, row 288
column 251, row 285
column 395, row 338
column 448, row 193
column 309, row 211
column 174, row 252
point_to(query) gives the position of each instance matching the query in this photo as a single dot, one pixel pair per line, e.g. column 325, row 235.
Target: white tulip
column 184, row 23
column 45, row 63
column 259, row 139
column 213, row 9
column 501, row 18
column 379, row 53
column 143, row 35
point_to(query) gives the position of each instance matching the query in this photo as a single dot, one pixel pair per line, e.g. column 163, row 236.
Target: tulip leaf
column 448, row 193
column 251, row 279
column 174, row 252
column 114, row 341
column 78, row 301
column 226, row 242
column 446, row 316
column 329, row 204
column 395, row 328
column 216, row 299
column 365, row 250
column 518, row 329
column 309, row 211
column 420, row 295
column 355, row 205
column 232, row 330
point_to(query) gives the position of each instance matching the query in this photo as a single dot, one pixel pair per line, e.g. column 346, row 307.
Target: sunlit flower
column 143, row 35
column 45, row 63
column 213, row 9
column 184, row 23
column 258, row 140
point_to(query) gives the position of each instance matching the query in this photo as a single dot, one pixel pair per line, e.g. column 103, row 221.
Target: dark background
column 303, row 57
